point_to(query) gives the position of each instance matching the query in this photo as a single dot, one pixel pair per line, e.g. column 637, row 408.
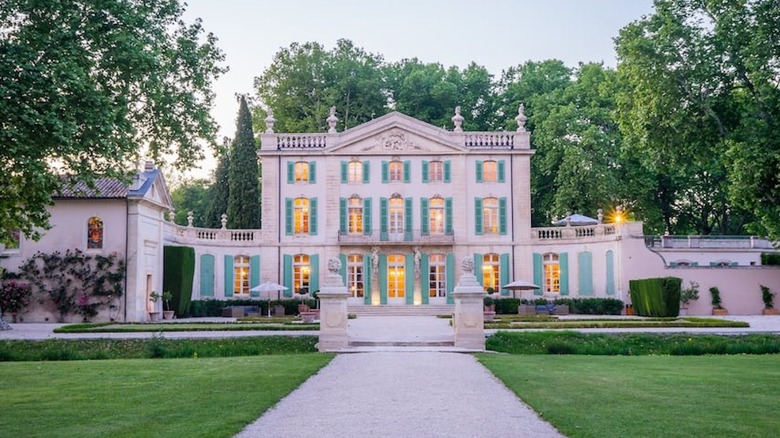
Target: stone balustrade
column 709, row 242
column 301, row 141
column 501, row 140
column 211, row 236
column 589, row 232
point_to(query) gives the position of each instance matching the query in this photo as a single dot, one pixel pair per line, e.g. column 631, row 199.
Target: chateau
column 398, row 201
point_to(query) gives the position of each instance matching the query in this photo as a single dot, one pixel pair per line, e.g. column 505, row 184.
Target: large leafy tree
column 88, row 87
column 192, row 195
column 305, row 80
column 243, row 208
column 699, row 105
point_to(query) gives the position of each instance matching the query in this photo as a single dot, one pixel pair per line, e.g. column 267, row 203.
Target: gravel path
column 397, row 394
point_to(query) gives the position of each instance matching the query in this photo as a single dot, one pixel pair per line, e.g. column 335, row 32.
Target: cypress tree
column 243, row 208
column 218, row 192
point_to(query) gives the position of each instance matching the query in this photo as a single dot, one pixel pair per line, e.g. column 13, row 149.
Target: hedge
column 656, row 296
column 178, row 274
column 770, row 258
column 212, row 307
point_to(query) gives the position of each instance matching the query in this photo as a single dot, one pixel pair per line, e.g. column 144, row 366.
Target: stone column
column 468, row 319
column 333, row 310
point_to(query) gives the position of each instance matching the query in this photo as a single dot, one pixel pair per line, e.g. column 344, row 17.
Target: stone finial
column 568, row 218
column 457, row 120
column 332, row 121
column 521, row 118
column 467, row 264
column 190, row 218
column 600, row 216
column 224, row 221
column 269, row 122
column 171, row 215
column 334, row 265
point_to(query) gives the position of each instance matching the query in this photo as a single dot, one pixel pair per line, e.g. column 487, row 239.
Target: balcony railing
column 577, row 232
column 708, row 242
column 212, row 235
column 413, row 236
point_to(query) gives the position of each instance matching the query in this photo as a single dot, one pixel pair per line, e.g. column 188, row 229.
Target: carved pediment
column 394, row 140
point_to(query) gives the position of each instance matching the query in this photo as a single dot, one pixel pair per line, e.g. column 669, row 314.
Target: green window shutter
column 254, row 275
column 450, row 276
column 448, row 216
column 366, row 172
column 287, row 274
column 344, row 178
column 674, row 264
column 732, row 264
column 694, row 263
column 382, row 278
column 290, row 172
column 407, row 171
column 503, row 272
column 288, row 216
column 424, row 226
column 313, row 216
column 425, row 171
column 408, row 219
column 343, row 270
column 585, row 273
column 385, row 172
column 409, row 278
column 342, row 215
column 610, row 273
column 478, row 168
column 478, row 268
column 478, row 216
column 206, row 275
column 367, row 278
column 538, row 273
column 312, row 172
column 563, row 260
column 228, row 276
column 711, row 264
column 502, row 215
column 367, row 230
column 501, row 171
column 383, row 219
column 314, row 273
column 447, row 171
column 425, row 285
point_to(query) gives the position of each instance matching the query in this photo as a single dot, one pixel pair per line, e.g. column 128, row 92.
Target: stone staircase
column 386, row 310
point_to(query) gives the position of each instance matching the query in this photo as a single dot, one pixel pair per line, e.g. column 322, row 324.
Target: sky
column 496, row 34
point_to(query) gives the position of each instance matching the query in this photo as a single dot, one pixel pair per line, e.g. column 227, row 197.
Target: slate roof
column 105, row 188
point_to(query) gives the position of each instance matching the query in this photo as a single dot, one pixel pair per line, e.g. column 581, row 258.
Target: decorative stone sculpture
column 334, row 265
column 190, row 218
column 467, row 264
column 521, row 118
column 224, row 221
column 375, row 258
column 417, row 258
column 171, row 215
column 332, row 121
column 457, row 120
column 269, row 122
column 600, row 215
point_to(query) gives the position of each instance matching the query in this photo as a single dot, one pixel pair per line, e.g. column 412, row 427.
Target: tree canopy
column 88, row 88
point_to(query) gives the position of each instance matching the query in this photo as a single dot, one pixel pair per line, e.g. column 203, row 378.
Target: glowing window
column 95, row 233
column 396, row 215
column 301, row 269
column 489, row 171
column 355, row 172
column 301, row 216
column 241, row 275
column 396, row 276
column 490, row 271
column 490, row 216
column 301, row 171
column 436, row 215
column 396, row 171
column 355, row 214
column 552, row 273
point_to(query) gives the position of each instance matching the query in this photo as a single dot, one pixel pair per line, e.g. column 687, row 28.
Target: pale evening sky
column 494, row 33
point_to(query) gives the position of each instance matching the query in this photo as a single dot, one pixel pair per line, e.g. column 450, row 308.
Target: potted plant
column 768, row 297
column 717, row 308
column 154, row 314
column 687, row 295
column 167, row 296
column 489, row 311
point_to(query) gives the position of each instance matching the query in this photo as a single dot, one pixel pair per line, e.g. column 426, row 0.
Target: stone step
column 402, row 343
column 387, row 310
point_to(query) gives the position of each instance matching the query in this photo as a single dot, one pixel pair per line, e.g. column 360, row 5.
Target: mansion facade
column 400, row 202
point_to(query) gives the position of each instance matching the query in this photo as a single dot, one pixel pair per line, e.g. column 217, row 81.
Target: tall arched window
column 436, row 215
column 490, row 216
column 301, row 269
column 490, row 271
column 95, row 233
column 301, row 216
column 396, row 276
column 552, row 273
column 355, row 214
column 241, row 275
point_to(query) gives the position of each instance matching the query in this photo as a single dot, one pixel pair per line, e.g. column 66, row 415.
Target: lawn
column 110, row 327
column 551, row 322
column 146, row 398
column 642, row 396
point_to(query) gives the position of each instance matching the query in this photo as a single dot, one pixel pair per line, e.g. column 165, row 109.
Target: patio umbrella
column 519, row 285
column 576, row 219
column 268, row 287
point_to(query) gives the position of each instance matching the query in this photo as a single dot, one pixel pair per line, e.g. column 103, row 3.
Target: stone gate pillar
column 333, row 310
column 468, row 319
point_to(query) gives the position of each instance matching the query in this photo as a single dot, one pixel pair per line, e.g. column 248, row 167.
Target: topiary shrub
column 658, row 297
column 592, row 306
column 770, row 258
column 178, row 274
column 507, row 306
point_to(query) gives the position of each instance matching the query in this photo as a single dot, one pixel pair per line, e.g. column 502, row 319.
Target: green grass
column 631, row 344
column 647, row 396
column 526, row 322
column 146, row 398
column 102, row 327
column 154, row 347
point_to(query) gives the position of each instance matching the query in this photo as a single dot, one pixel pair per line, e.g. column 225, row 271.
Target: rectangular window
column 301, row 171
column 355, row 215
column 490, row 223
column 489, row 171
column 437, row 276
column 355, row 172
column 241, row 275
column 436, row 216
column 396, row 171
column 301, row 270
column 301, row 216
column 552, row 273
column 355, row 275
column 490, row 272
column 435, row 171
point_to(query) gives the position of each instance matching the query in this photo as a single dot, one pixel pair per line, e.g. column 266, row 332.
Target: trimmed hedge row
column 178, row 274
column 212, row 307
column 770, row 258
column 580, row 306
column 656, row 296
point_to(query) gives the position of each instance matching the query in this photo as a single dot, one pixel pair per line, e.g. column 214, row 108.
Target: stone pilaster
column 333, row 310
column 468, row 319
